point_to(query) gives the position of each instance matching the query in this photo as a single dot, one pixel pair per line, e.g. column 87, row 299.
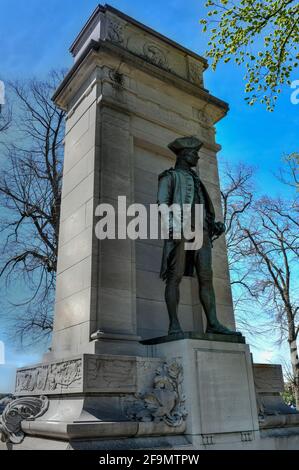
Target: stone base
column 219, row 389
column 98, row 396
column 91, row 398
column 269, row 385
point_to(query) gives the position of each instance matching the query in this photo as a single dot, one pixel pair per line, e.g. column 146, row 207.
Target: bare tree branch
column 263, row 249
column 30, row 192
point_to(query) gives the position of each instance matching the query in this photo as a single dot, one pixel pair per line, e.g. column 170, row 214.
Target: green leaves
column 262, row 35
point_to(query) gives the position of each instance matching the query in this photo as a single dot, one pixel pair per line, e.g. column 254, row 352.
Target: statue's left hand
column 219, row 229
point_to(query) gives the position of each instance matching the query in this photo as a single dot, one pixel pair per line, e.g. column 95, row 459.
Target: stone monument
column 110, row 373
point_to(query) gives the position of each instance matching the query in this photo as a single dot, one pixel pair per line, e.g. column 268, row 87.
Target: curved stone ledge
column 65, row 430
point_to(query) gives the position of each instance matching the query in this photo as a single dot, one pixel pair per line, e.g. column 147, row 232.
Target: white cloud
column 263, row 357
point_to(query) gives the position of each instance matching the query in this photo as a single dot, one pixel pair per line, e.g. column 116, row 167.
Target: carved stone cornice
column 95, row 56
column 109, row 32
column 110, row 18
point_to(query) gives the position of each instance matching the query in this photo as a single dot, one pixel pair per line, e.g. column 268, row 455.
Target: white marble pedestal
column 219, row 389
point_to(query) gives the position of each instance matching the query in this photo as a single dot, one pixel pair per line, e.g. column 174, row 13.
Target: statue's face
column 190, row 156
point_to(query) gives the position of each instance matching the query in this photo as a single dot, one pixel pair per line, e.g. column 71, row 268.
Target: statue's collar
column 187, row 170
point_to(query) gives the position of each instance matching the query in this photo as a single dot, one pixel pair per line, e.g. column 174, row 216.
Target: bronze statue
column 182, row 185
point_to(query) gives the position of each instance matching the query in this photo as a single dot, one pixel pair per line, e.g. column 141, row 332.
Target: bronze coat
column 176, row 186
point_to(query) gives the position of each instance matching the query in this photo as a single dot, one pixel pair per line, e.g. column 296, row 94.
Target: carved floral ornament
column 155, row 55
column 25, row 408
column 165, row 402
column 151, row 51
column 115, row 31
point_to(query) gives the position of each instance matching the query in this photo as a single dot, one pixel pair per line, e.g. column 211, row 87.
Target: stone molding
column 102, row 53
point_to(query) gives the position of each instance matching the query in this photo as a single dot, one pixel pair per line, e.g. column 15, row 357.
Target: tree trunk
column 295, row 367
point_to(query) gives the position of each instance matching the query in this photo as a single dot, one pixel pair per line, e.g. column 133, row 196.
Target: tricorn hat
column 181, row 143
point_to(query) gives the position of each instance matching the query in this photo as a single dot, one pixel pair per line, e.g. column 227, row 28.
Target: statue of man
column 182, row 185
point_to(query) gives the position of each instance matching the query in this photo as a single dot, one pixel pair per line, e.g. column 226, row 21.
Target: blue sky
column 35, row 37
